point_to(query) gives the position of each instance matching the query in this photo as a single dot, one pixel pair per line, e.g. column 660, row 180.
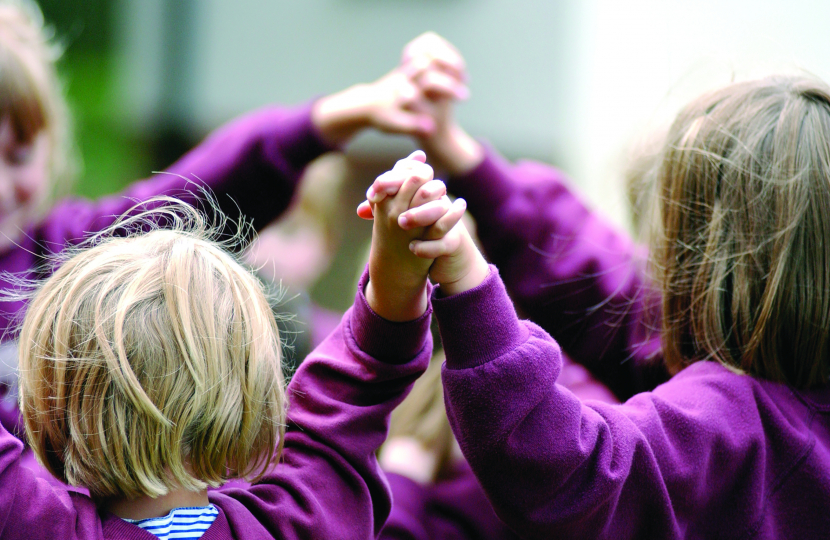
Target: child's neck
column 146, row 507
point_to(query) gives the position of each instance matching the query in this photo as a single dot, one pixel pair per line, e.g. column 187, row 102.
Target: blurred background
column 576, row 83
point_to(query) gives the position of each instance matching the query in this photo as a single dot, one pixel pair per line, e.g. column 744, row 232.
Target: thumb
column 364, row 210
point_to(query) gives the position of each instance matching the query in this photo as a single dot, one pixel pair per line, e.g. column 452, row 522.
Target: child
column 737, row 442
column 252, row 165
column 152, row 371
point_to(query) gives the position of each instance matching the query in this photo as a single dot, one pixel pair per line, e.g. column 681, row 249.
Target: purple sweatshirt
column 251, row 165
column 568, row 270
column 452, row 508
column 527, row 218
column 328, row 483
column 710, row 453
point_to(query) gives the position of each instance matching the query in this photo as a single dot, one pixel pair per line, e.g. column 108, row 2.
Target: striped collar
column 189, row 522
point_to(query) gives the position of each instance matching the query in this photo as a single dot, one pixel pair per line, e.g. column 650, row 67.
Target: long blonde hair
column 150, row 360
column 742, row 243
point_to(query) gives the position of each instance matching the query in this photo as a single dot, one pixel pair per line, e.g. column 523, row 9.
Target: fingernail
column 403, row 220
column 412, row 247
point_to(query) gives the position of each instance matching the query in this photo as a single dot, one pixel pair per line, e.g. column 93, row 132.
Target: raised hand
column 398, row 278
column 424, row 214
column 395, row 102
column 440, row 73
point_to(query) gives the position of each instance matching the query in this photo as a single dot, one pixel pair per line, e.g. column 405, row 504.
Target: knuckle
column 438, row 230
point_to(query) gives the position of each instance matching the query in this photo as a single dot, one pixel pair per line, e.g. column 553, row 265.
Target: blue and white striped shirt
column 189, row 522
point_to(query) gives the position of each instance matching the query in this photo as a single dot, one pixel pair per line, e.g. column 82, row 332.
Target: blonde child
column 253, row 165
column 737, row 442
column 151, row 370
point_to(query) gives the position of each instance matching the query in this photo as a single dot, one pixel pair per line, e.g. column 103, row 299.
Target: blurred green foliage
column 112, row 154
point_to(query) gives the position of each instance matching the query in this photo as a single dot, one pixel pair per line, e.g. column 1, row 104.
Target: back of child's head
column 31, row 96
column 742, row 243
column 152, row 361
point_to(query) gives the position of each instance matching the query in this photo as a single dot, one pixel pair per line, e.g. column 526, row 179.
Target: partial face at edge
column 24, row 182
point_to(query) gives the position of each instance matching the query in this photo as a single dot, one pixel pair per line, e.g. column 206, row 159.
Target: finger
column 385, row 185
column 417, row 177
column 444, row 224
column 432, row 249
column 436, row 85
column 417, row 66
column 424, row 216
column 418, row 156
column 408, row 122
column 389, row 183
column 364, row 210
column 431, row 191
column 430, row 48
column 414, row 63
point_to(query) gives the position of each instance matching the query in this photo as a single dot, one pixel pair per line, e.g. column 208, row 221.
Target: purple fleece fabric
column 328, row 483
column 453, row 508
column 708, row 454
column 251, row 165
column 567, row 270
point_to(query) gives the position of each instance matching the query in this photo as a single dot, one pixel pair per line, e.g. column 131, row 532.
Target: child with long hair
column 736, row 443
column 151, row 371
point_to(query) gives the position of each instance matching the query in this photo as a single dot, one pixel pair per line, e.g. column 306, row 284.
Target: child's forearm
column 340, row 400
column 568, row 270
column 395, row 303
column 463, row 271
column 339, row 117
column 550, row 465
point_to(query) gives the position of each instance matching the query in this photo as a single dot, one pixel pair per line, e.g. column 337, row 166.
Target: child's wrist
column 338, row 117
column 457, row 151
column 474, row 276
column 396, row 303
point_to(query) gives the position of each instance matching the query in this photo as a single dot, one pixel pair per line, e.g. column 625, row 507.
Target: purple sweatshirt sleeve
column 329, row 484
column 699, row 457
column 568, row 270
column 32, row 508
column 251, row 166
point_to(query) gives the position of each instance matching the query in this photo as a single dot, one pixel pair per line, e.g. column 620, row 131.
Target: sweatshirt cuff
column 387, row 341
column 300, row 141
column 478, row 325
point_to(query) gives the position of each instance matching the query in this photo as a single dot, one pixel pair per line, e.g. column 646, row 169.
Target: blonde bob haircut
column 151, row 361
column 742, row 243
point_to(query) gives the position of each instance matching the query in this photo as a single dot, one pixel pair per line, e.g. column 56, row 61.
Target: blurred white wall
column 247, row 53
column 644, row 59
column 572, row 82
